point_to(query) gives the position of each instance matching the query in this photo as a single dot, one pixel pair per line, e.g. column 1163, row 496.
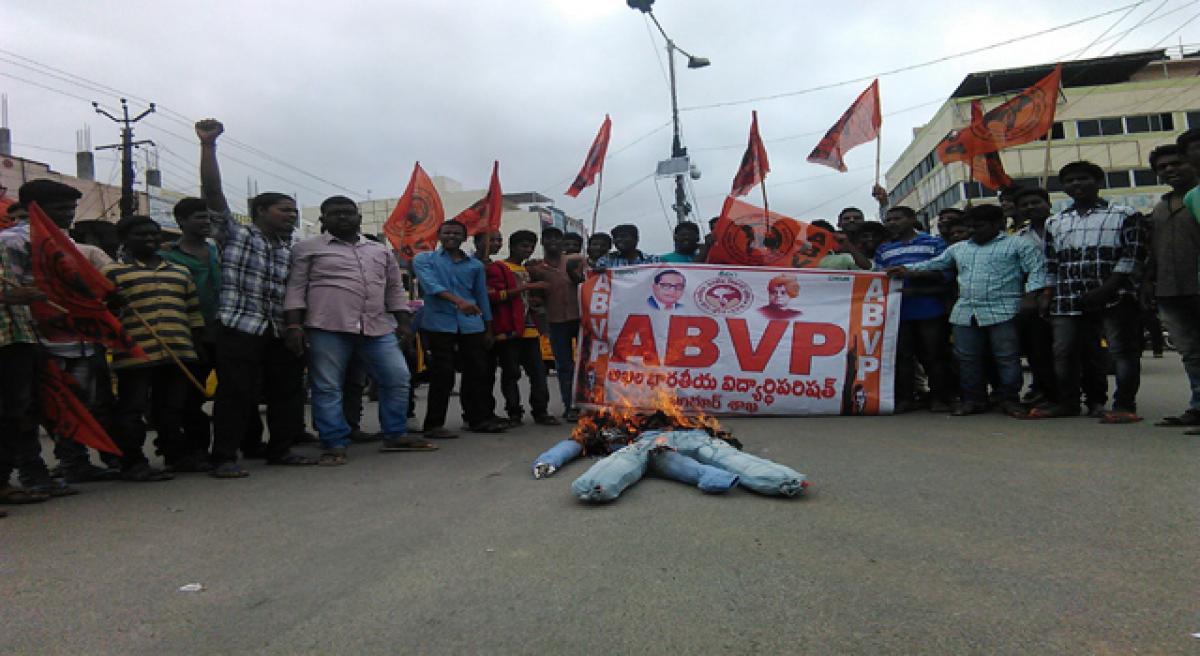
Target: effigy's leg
column 755, row 473
column 607, row 479
column 555, row 457
column 687, row 470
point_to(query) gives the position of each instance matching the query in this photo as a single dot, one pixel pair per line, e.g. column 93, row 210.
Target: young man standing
column 572, row 243
column 161, row 311
column 521, row 349
column 1037, row 337
column 457, row 320
column 508, row 313
column 345, row 291
column 203, row 262
column 1095, row 251
column 598, row 246
column 1174, row 278
column 562, row 311
column 850, row 218
column 994, row 271
column 923, row 327
column 687, row 243
column 251, row 347
column 625, row 239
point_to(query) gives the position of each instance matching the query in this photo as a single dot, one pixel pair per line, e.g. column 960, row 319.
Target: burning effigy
column 691, row 449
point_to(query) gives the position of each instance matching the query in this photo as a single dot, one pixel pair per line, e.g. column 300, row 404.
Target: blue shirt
column 916, row 305
column 614, row 259
column 438, row 273
column 989, row 277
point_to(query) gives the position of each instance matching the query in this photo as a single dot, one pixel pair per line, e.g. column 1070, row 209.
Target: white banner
column 724, row 340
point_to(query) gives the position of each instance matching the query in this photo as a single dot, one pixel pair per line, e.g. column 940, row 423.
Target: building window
column 1145, row 178
column 1053, row 185
column 1111, row 126
column 1117, row 179
column 1136, row 124
column 1056, row 132
column 1193, row 119
column 1106, row 127
column 1088, row 128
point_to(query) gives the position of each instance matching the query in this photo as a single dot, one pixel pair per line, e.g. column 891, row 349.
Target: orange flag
column 754, row 167
column 413, row 225
column 594, row 162
column 64, row 414
column 746, row 235
column 987, row 168
column 72, row 284
column 858, row 125
column 1026, row 117
column 484, row 214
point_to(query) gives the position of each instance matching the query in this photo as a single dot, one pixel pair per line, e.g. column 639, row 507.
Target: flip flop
column 1120, row 417
column 293, row 460
column 228, row 470
column 15, row 496
column 1050, row 412
column 407, row 444
column 332, row 458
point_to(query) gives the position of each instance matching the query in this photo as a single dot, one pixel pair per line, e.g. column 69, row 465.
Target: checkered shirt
column 1084, row 247
column 991, row 277
column 254, row 271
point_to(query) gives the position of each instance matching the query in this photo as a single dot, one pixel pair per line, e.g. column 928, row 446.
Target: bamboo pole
column 596, row 207
column 878, row 152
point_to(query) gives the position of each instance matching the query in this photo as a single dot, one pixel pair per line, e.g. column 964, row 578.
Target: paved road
column 925, row 534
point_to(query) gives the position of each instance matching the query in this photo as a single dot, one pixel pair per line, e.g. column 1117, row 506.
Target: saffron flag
column 857, row 125
column 987, row 168
column 1026, row 117
column 64, row 414
column 412, row 226
column 73, row 285
column 748, row 236
column 484, row 214
column 5, row 203
column 594, row 162
column 754, row 167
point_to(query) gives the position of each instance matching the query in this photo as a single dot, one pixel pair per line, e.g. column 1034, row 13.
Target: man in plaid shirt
column 251, row 347
column 1095, row 256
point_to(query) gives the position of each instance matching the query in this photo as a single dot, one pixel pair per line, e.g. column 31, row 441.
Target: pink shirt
column 345, row 287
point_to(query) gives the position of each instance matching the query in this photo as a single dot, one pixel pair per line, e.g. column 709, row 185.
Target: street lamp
column 679, row 165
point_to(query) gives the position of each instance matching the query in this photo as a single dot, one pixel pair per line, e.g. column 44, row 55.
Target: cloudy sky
column 342, row 97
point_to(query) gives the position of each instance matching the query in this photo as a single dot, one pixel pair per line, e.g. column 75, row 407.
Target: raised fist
column 208, row 130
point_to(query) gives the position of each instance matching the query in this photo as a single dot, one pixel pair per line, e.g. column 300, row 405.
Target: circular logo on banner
column 724, row 295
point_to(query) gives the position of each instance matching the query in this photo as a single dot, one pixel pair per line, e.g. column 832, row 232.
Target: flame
column 631, row 414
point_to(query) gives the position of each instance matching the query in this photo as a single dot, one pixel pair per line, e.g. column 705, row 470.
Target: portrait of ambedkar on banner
column 666, row 290
column 781, row 291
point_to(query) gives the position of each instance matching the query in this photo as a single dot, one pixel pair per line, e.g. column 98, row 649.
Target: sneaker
column 542, row 470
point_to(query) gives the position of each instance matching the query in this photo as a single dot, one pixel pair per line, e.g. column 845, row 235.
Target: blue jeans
column 1182, row 316
column 561, row 335
column 560, row 454
column 972, row 345
column 329, row 357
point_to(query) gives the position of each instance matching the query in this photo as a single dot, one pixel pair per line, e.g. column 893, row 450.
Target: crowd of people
column 1071, row 293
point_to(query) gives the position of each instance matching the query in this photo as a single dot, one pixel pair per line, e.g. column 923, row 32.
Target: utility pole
column 128, row 201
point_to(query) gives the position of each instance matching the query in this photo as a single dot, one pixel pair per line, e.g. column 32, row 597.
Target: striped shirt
column 16, row 323
column 990, row 277
column 165, row 297
column 1083, row 248
column 254, row 271
column 922, row 300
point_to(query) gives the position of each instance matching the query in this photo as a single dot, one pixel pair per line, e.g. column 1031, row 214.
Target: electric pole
column 128, row 201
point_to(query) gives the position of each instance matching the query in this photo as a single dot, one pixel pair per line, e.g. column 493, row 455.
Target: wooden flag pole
column 596, row 207
column 878, row 152
column 1046, row 163
column 170, row 352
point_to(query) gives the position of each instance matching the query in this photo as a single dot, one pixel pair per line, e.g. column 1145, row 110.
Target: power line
column 1079, row 53
column 903, row 69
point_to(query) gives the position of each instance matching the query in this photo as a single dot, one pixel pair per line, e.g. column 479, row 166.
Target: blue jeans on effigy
column 560, row 454
column 329, row 357
column 678, row 467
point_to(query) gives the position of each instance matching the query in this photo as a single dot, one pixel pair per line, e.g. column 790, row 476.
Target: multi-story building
column 522, row 211
column 1112, row 111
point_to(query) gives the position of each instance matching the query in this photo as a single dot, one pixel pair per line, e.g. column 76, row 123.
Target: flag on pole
column 413, row 225
column 754, row 167
column 746, row 235
column 1026, row 117
column 987, row 168
column 484, row 214
column 857, row 125
column 64, row 414
column 71, row 283
column 594, row 161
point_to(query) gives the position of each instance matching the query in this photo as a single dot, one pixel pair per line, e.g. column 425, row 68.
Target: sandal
column 1120, row 417
column 332, row 458
column 440, row 434
column 1051, row 412
column 407, row 444
column 292, row 460
column 54, row 488
column 1014, row 410
column 15, row 496
column 143, row 473
column 228, row 470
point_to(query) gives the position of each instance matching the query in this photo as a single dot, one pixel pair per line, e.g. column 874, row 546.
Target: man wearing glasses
column 667, row 290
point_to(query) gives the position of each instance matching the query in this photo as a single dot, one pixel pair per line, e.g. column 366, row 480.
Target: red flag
column 74, row 285
column 413, row 225
column 484, row 215
column 63, row 413
column 987, row 168
column 5, row 203
column 746, row 235
column 857, row 126
column 594, row 162
column 1026, row 117
column 754, row 167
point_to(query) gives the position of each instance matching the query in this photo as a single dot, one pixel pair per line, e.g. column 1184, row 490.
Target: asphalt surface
column 923, row 534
